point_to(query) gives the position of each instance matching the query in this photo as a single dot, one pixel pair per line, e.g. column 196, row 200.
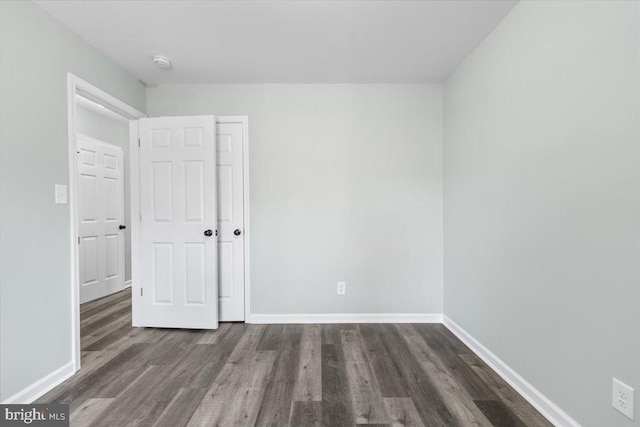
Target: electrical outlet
column 342, row 288
column 622, row 398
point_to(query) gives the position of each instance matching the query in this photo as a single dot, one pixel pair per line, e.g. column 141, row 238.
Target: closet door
column 231, row 226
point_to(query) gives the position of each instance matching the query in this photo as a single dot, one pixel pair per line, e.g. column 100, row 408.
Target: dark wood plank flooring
column 281, row 375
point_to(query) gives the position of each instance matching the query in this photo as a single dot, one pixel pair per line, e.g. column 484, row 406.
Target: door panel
column 162, row 278
column 101, row 212
column 196, row 273
column 225, row 261
column 162, row 198
column 225, row 193
column 112, row 243
column 230, row 218
column 89, row 260
column 88, row 189
column 178, row 204
column 195, row 187
column 112, row 204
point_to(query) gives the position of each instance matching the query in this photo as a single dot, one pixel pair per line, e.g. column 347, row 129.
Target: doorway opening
column 98, row 129
column 105, row 182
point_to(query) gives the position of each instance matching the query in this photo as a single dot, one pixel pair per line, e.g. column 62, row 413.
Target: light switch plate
column 61, row 194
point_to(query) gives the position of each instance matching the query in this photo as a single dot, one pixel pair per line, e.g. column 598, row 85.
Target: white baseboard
column 127, row 284
column 546, row 407
column 42, row 386
column 346, row 318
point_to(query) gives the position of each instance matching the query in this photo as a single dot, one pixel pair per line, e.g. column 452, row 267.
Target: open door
column 177, row 228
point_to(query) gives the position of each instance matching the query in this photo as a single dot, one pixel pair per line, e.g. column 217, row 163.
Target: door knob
column 122, row 227
column 208, row 233
column 237, row 232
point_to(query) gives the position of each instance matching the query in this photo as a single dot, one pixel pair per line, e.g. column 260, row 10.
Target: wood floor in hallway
column 281, row 375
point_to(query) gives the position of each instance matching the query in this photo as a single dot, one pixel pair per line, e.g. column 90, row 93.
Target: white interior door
column 229, row 140
column 101, row 213
column 178, row 220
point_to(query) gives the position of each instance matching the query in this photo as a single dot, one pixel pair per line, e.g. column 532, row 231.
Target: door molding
column 136, row 250
column 77, row 86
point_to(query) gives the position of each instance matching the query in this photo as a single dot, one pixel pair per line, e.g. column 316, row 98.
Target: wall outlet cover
column 342, row 288
column 622, row 398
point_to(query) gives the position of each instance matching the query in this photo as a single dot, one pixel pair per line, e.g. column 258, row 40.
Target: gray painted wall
column 542, row 200
column 117, row 133
column 35, row 316
column 346, row 185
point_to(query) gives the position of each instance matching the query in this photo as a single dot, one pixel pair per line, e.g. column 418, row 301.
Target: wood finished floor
column 281, row 375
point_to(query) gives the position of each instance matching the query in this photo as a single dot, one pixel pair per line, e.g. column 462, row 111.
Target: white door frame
column 77, row 86
column 136, row 250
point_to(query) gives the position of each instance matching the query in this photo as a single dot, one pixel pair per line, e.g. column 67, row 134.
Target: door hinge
column 78, row 239
column 138, row 142
column 140, row 216
column 141, row 292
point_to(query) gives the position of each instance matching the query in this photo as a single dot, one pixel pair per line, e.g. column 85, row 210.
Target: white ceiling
column 285, row 41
